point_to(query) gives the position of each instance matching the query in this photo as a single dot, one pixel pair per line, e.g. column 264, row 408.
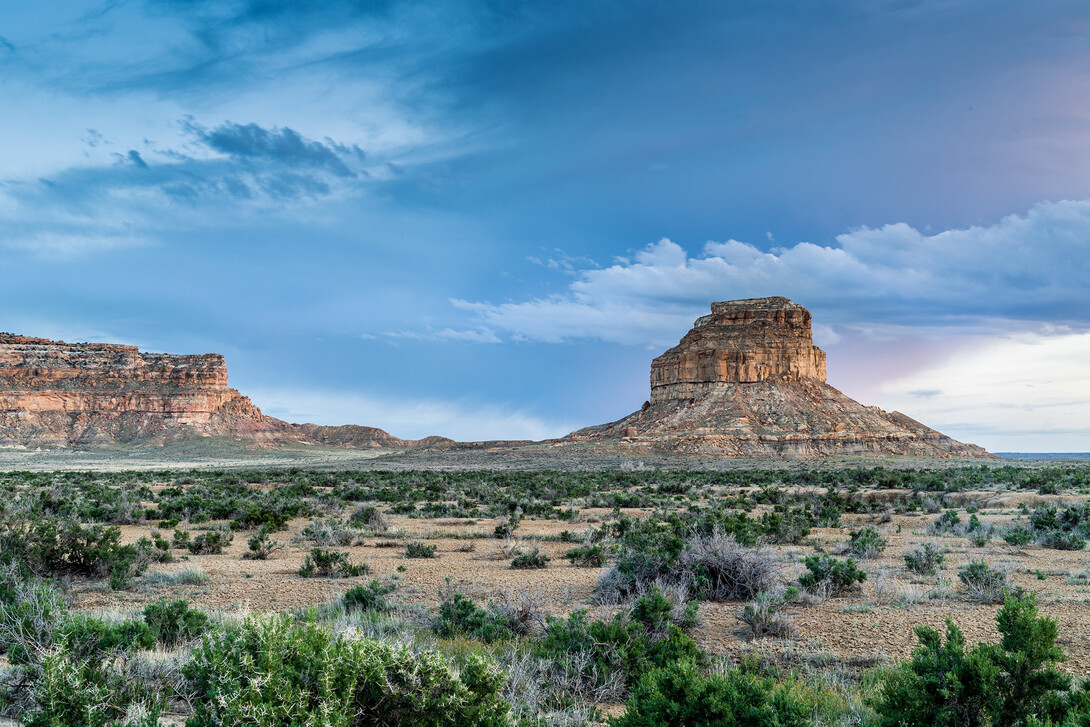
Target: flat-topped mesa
column 741, row 342
column 55, row 393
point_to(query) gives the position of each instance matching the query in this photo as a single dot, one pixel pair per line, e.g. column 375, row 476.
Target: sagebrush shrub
column 722, row 569
column 866, row 543
column 831, row 576
column 924, row 559
column 983, row 582
column 764, row 615
column 174, row 622
column 369, row 597
column 324, row 563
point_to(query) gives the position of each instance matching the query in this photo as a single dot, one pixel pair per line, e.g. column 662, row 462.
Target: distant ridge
column 56, row 394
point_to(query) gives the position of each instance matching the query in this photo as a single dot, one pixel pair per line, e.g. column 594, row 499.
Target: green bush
column 51, row 547
column 825, row 573
column 210, row 542
column 632, row 643
column 420, row 549
column 370, row 597
column 924, row 559
column 1018, row 536
column 681, row 696
column 948, row 522
column 275, row 672
column 1061, row 540
column 460, row 616
column 534, row 558
column 89, row 639
column 587, row 556
column 984, row 583
column 260, row 545
column 324, row 563
column 1010, row 684
column 68, row 693
column 866, row 543
column 174, row 622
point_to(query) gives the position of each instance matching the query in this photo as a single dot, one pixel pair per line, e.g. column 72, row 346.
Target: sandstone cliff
column 57, row 394
column 748, row 381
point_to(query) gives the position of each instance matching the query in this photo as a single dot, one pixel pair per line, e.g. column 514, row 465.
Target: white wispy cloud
column 1033, row 268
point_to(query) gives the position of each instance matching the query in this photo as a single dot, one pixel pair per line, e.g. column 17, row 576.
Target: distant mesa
column 748, row 381
column 56, row 394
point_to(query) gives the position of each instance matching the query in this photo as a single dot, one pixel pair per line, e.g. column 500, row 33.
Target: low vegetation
column 675, row 552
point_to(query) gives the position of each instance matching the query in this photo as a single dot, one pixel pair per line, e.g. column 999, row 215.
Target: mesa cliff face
column 748, row 381
column 57, row 394
column 741, row 342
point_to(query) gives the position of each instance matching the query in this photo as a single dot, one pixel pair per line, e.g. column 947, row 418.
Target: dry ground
column 871, row 625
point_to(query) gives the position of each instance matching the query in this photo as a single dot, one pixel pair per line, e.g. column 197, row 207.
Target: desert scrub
column 1015, row 682
column 174, row 622
column 828, row 576
column 946, row 524
column 534, row 557
column 420, row 549
column 369, row 597
column 324, row 563
column 328, row 532
column 924, row 559
column 764, row 615
column 260, row 546
column 587, row 556
column 681, row 694
column 984, row 583
column 459, row 615
column 301, row 674
column 598, row 653
column 211, row 542
column 370, row 517
column 866, row 543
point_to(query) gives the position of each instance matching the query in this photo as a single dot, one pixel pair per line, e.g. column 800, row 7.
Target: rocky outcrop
column 747, row 381
column 57, row 394
column 741, row 342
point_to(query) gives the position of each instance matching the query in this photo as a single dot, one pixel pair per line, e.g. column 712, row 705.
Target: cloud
column 1031, row 269
column 281, row 145
column 408, row 418
column 1024, row 392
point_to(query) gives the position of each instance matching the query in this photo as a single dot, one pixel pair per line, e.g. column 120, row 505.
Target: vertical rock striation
column 741, row 342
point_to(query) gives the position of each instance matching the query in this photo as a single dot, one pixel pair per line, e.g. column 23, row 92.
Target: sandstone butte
column 57, row 394
column 748, row 381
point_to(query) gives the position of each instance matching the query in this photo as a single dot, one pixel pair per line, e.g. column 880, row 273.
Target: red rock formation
column 747, row 381
column 59, row 394
column 741, row 342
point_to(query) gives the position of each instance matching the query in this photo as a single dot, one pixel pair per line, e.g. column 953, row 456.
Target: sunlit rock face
column 57, row 394
column 748, row 381
column 741, row 342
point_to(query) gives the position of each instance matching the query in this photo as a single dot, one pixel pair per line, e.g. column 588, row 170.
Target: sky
column 482, row 220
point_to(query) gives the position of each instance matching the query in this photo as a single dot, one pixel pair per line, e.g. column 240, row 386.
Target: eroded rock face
column 57, row 394
column 747, row 381
column 741, row 342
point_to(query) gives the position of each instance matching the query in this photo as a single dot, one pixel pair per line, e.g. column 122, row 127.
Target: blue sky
column 484, row 219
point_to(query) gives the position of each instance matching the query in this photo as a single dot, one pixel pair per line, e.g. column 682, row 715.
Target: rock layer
column 58, row 394
column 747, row 381
column 741, row 342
